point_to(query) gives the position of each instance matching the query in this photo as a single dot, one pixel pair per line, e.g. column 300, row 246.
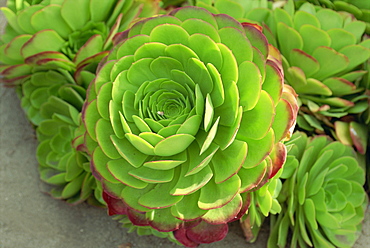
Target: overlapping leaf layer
column 186, row 116
column 359, row 8
column 323, row 60
column 183, row 126
column 323, row 198
column 61, row 163
column 50, row 33
column 51, row 54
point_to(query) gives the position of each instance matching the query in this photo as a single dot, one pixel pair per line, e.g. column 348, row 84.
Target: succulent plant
column 359, row 8
column 322, row 196
column 61, row 163
column 322, row 59
column 324, row 93
column 320, row 64
column 52, row 98
column 38, row 88
column 52, row 29
column 52, row 101
column 46, row 81
column 189, row 106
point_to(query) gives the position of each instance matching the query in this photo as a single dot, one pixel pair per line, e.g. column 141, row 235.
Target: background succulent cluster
column 178, row 116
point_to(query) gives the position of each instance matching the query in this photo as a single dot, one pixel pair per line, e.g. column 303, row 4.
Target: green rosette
column 322, row 196
column 63, row 164
column 52, row 32
column 323, row 59
column 185, row 117
column 46, row 81
column 37, row 89
column 323, row 63
column 359, row 8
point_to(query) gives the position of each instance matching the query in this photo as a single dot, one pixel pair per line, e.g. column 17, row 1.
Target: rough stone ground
column 30, row 218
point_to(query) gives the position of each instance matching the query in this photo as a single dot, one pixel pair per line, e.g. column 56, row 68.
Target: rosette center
column 79, row 38
column 163, row 99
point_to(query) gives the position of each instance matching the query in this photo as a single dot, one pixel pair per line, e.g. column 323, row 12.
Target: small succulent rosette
column 45, row 82
column 52, row 101
column 37, row 89
column 359, row 8
column 185, row 117
column 323, row 61
column 51, row 34
column 63, row 165
column 322, row 196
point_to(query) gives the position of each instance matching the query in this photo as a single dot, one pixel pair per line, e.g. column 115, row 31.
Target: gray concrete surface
column 31, row 219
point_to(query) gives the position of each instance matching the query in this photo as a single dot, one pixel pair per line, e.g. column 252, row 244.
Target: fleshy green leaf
column 50, row 18
column 283, row 119
column 198, row 161
column 222, row 193
column 227, row 163
column 169, row 34
column 256, row 122
column 131, row 197
column 304, row 18
column 224, row 214
column 339, row 86
column 173, row 144
column 194, row 26
column 129, row 152
column 188, row 184
column 237, row 43
column 163, row 164
column 329, row 19
column 151, row 199
column 331, row 62
column 103, row 132
column 152, row 175
column 45, row 40
column 120, row 169
column 341, row 38
column 141, row 144
column 356, row 54
column 273, row 83
column 258, row 149
column 252, row 177
column 99, row 161
column 321, row 38
column 286, row 45
column 187, row 208
column 249, row 84
column 68, row 12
